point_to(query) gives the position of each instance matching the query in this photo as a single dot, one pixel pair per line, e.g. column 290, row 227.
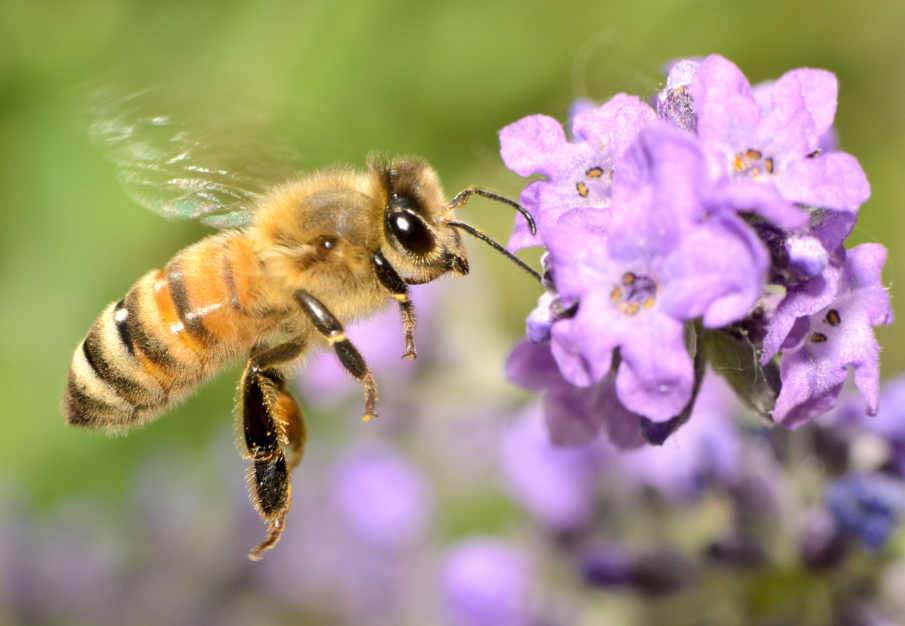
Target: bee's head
column 418, row 240
column 421, row 235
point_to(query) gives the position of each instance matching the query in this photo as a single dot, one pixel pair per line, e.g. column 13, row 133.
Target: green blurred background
column 438, row 79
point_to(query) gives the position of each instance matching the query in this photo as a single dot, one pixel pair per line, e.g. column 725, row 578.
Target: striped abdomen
column 175, row 328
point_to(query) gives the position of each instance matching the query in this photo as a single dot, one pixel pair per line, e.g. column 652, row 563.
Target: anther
column 818, row 338
column 833, row 318
column 628, row 278
column 594, row 172
column 582, row 190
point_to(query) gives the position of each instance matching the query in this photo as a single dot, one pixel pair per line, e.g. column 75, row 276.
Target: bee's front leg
column 331, row 328
column 271, row 417
column 393, row 282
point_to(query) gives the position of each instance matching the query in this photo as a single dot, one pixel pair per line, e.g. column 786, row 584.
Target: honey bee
column 294, row 264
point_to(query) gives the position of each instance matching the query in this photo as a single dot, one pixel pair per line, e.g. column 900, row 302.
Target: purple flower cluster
column 707, row 227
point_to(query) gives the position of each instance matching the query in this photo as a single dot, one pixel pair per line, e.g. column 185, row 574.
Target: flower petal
column 832, row 181
column 723, row 100
column 532, row 366
column 815, row 90
column 656, row 376
column 528, row 145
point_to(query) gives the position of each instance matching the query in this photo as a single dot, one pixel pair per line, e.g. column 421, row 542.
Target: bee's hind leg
column 271, row 420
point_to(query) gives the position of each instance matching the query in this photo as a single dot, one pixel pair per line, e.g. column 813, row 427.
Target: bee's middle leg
column 332, row 329
column 271, row 419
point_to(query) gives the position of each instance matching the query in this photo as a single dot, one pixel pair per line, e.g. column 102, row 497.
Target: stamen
column 636, row 293
column 753, row 164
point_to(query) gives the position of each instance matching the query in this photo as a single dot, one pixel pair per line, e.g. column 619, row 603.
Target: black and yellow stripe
column 175, row 328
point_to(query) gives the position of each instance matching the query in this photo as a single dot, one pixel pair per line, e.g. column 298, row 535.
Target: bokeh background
column 337, row 80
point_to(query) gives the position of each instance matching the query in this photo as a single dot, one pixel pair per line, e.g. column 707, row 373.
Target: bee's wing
column 187, row 169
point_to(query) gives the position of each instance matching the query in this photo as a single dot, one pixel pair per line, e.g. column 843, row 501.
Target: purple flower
column 555, row 484
column 486, row 582
column 808, row 263
column 383, row 498
column 869, row 505
column 819, row 348
column 776, row 154
column 574, row 415
column 803, row 300
column 668, row 257
column 579, row 174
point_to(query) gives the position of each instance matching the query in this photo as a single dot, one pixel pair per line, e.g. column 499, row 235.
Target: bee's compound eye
column 411, row 232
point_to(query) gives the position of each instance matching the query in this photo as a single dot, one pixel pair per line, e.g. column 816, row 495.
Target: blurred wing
column 186, row 169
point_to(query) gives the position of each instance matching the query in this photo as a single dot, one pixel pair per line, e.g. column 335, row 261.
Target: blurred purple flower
column 554, row 484
column 76, row 567
column 578, row 174
column 351, row 548
column 822, row 543
column 869, row 505
column 384, row 499
column 819, row 349
column 708, row 448
column 607, row 565
column 651, row 574
column 888, row 423
column 487, row 582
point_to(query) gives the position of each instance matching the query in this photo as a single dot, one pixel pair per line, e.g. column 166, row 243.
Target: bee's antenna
column 463, row 196
column 471, row 230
